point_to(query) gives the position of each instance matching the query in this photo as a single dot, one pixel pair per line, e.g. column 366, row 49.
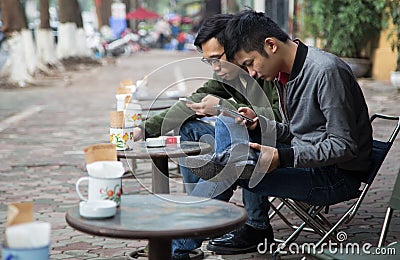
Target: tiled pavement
column 43, row 132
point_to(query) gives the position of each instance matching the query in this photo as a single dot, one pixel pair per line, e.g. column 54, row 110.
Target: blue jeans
column 255, row 205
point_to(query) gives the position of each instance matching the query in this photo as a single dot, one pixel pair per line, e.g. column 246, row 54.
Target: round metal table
column 159, row 156
column 161, row 218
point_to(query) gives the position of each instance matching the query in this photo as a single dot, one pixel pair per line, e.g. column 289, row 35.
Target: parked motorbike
column 125, row 45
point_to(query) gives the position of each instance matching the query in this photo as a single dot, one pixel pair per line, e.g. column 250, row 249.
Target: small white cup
column 101, row 189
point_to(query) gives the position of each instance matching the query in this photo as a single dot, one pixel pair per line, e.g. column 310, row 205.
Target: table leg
column 160, row 249
column 160, row 175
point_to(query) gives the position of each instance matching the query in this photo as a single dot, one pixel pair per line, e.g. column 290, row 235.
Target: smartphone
column 233, row 113
column 186, row 100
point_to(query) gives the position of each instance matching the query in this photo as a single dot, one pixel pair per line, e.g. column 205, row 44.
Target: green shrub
column 345, row 26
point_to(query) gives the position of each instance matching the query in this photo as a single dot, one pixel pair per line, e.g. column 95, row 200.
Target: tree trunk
column 103, row 11
column 14, row 18
column 22, row 61
column 78, row 13
column 44, row 14
column 72, row 42
column 83, row 49
column 46, row 48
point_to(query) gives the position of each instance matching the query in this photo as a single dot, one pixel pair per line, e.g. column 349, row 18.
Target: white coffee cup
column 101, row 188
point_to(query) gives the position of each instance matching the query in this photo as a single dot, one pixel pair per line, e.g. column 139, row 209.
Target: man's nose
column 216, row 66
column 252, row 72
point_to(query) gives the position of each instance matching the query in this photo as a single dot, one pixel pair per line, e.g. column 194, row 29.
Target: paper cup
column 117, row 119
column 100, row 152
column 123, row 90
column 126, row 82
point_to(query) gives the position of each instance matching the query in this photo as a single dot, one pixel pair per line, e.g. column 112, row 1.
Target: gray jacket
column 325, row 116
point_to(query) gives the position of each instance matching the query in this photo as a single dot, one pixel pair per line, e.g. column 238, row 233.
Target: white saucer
column 97, row 209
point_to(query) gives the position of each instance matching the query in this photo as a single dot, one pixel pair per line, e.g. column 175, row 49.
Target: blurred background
column 44, row 34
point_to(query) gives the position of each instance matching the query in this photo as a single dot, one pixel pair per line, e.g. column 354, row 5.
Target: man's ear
column 270, row 44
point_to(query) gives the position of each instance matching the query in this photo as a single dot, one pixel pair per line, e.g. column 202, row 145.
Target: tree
column 103, row 12
column 22, row 61
column 70, row 31
column 46, row 48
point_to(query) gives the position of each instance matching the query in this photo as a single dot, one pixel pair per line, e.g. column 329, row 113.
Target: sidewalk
column 44, row 129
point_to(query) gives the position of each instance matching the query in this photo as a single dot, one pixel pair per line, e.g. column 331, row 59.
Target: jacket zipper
column 282, row 95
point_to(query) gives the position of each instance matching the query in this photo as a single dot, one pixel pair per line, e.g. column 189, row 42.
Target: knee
column 185, row 131
column 194, row 130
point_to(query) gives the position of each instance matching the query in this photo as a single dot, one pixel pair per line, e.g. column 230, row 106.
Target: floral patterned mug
column 101, row 188
column 122, row 138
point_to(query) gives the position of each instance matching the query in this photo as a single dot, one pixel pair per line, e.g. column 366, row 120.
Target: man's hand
column 137, row 133
column 206, row 106
column 269, row 159
column 249, row 113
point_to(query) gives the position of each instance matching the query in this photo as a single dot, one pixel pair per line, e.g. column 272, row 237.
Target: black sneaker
column 243, row 240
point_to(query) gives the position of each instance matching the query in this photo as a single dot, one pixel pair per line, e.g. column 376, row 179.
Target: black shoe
column 196, row 254
column 238, row 163
column 243, row 240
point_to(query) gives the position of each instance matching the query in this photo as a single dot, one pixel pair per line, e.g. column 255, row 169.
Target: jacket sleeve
column 264, row 102
column 272, row 131
column 178, row 113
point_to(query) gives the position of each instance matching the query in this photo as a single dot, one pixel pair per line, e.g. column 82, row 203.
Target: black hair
column 247, row 31
column 213, row 26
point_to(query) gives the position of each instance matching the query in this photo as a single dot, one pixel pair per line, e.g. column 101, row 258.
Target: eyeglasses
column 213, row 61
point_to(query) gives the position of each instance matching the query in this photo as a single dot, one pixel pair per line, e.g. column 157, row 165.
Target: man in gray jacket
column 325, row 140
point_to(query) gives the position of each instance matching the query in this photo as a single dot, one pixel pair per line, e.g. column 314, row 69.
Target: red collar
column 283, row 77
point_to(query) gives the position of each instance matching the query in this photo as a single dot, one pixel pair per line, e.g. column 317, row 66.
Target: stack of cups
column 132, row 88
column 120, row 135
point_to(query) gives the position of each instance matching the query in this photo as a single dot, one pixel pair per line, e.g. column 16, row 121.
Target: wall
column 383, row 58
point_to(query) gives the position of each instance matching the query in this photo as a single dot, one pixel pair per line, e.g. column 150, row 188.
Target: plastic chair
column 312, row 216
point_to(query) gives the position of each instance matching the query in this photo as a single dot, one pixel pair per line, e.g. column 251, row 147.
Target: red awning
column 141, row 14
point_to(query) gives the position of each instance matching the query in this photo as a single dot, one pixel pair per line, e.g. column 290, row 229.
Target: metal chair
column 312, row 216
column 394, row 203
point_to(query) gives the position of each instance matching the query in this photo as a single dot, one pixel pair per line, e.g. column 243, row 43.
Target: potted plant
column 346, row 28
column 394, row 12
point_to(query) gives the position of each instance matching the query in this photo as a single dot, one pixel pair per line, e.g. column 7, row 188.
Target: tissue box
column 172, row 139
